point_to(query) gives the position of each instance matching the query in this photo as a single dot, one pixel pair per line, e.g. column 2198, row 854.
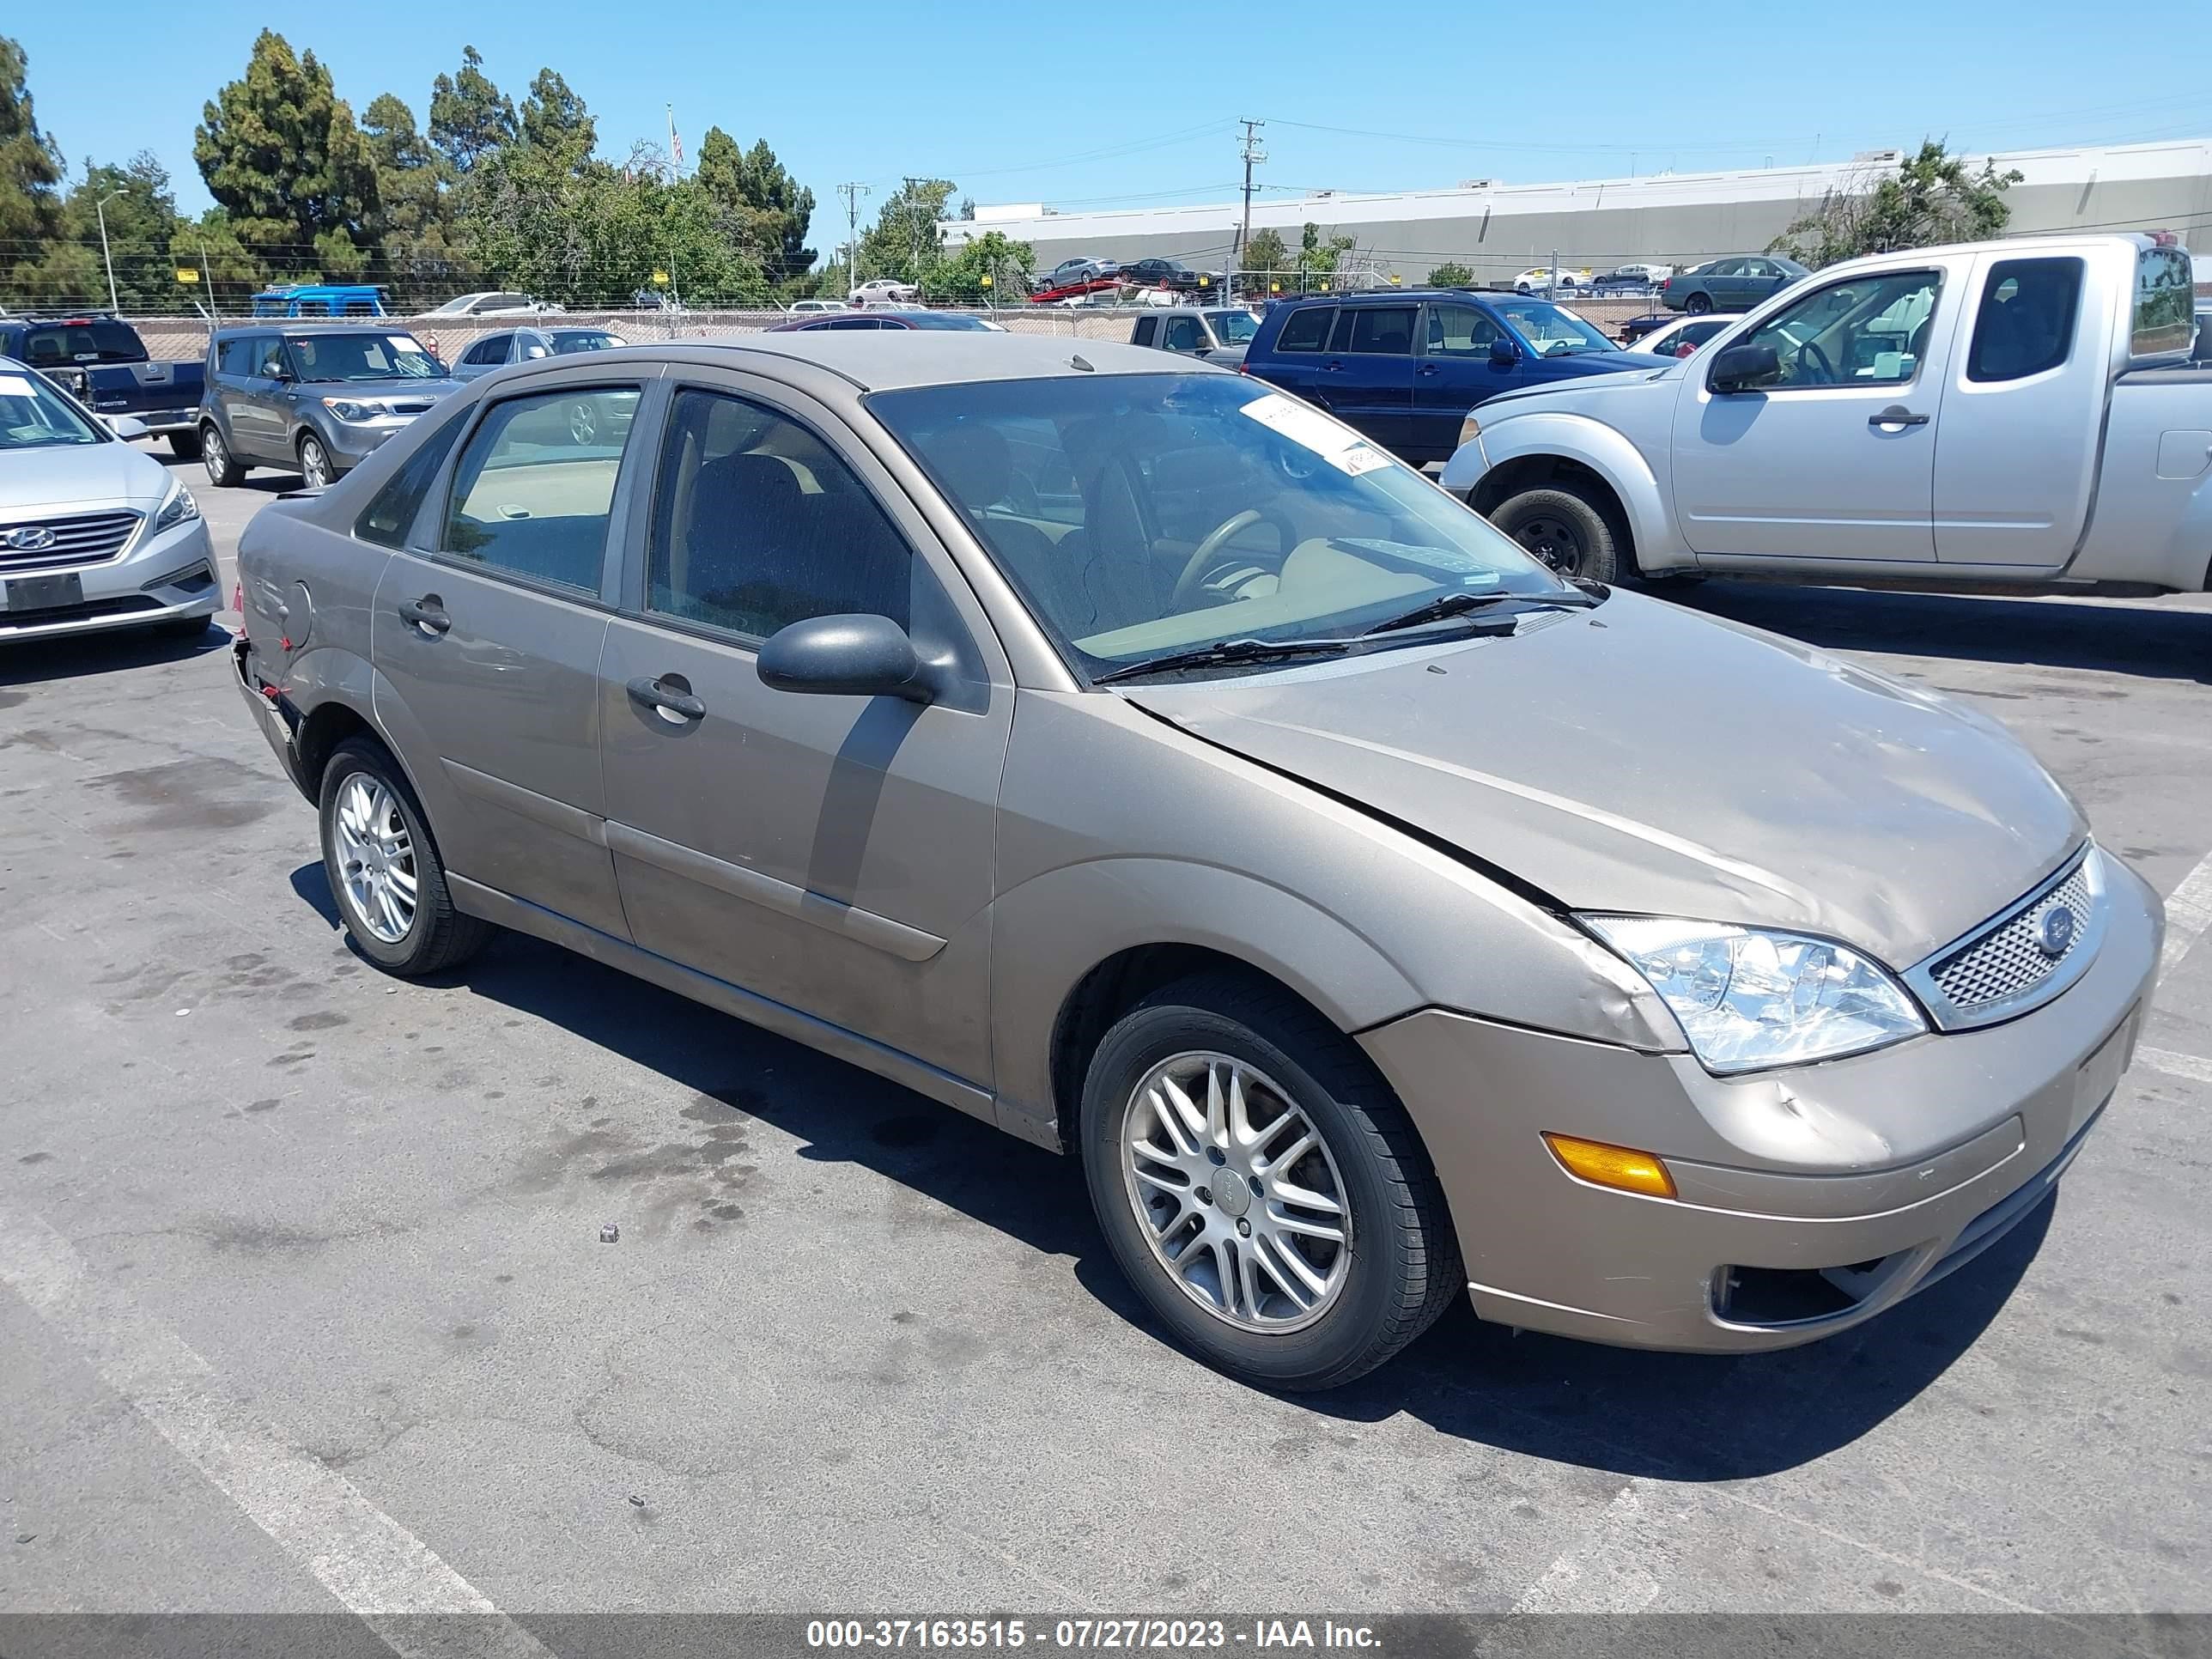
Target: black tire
column 222, row 468
column 1565, row 528
column 1698, row 304
column 439, row 936
column 185, row 446
column 316, row 470
column 1405, row 1264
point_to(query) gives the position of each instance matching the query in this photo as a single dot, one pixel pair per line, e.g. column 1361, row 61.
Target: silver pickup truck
column 2015, row 414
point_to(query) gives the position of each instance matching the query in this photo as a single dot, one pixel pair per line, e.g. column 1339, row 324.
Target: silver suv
column 1142, row 761
column 318, row 398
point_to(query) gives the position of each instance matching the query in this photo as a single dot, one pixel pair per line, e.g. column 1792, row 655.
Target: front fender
column 1587, row 443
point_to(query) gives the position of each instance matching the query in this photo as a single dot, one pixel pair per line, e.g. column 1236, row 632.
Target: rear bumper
column 273, row 712
column 1754, row 1252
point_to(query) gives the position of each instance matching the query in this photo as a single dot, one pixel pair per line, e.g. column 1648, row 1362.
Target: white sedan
column 93, row 535
column 879, row 290
column 1684, row 335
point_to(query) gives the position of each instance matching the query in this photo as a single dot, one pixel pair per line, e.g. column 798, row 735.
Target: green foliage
column 903, row 241
column 1319, row 255
column 280, row 154
column 422, row 250
column 1008, row 264
column 470, row 118
column 1930, row 199
column 1267, row 251
column 1452, row 274
column 554, row 118
column 141, row 218
column 30, row 165
column 752, row 188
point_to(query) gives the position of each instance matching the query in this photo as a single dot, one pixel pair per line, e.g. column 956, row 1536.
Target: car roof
column 314, row 325
column 883, row 359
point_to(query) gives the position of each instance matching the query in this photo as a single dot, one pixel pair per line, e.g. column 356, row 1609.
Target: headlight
column 176, row 506
column 346, row 409
column 1749, row 998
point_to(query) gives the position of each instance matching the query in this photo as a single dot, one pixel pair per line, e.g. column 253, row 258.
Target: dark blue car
column 1406, row 368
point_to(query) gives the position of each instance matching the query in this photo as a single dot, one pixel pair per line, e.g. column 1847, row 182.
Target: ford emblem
column 2058, row 932
column 30, row 538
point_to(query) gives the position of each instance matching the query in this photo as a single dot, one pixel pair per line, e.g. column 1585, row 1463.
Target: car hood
column 403, row 390
column 78, row 474
column 1642, row 759
column 1645, row 371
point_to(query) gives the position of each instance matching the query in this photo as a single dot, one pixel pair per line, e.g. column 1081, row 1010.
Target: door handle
column 1426, row 368
column 1332, row 368
column 1897, row 415
column 654, row 695
column 427, row 613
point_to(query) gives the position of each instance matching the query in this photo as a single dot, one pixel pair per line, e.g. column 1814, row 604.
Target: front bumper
column 352, row 442
column 1808, row 1199
column 166, row 576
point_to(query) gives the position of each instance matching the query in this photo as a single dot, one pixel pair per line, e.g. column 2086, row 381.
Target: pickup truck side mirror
column 848, row 656
column 1740, row 367
column 1503, row 353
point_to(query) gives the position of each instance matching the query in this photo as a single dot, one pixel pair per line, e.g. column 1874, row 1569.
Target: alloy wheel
column 583, row 422
column 314, row 466
column 1237, row 1191
column 213, row 456
column 376, row 857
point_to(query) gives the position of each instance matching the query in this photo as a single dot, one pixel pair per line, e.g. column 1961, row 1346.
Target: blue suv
column 1405, row 368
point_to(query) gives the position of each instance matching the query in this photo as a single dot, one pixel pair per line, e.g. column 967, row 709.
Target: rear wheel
column 185, row 446
column 1564, row 528
column 1261, row 1188
column 383, row 869
column 1698, row 304
column 223, row 469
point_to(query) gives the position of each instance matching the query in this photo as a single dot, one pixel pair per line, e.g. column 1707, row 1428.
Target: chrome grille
column 78, row 538
column 2009, row 960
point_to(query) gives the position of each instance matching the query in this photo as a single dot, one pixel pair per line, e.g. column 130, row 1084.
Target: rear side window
column 1147, row 327
column 1376, row 330
column 532, row 494
column 2026, row 323
column 387, row 518
column 238, row 357
column 2165, row 299
column 1306, row 329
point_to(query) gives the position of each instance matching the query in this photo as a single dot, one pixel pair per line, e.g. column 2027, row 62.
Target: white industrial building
column 1676, row 218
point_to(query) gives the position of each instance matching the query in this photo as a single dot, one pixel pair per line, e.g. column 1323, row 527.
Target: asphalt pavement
column 304, row 1299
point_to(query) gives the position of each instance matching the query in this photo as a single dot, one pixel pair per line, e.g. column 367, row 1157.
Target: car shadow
column 73, row 657
column 2157, row 642
column 1679, row 1416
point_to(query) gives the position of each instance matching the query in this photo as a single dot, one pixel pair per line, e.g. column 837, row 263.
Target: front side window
column 531, row 493
column 33, row 415
column 757, row 524
column 2026, row 323
column 1141, row 515
column 1550, row 330
column 1870, row 332
column 362, row 357
column 1183, row 335
column 1306, row 329
column 269, row 357
column 1460, row 331
column 1375, row 330
column 388, row 517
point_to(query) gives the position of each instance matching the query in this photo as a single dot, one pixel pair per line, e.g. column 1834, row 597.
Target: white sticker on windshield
column 16, row 386
column 401, row 342
column 1347, row 452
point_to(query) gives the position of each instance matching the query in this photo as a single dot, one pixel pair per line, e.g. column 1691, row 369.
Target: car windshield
column 321, row 357
column 1143, row 516
column 33, row 415
column 1552, row 331
column 588, row 339
column 1235, row 327
column 944, row 320
column 83, row 343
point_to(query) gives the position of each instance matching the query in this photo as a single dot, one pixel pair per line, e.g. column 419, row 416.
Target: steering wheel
column 1827, row 369
column 1203, row 557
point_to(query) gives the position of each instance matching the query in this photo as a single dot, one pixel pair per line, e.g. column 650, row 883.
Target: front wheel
column 315, row 470
column 384, row 869
column 1261, row 1188
column 1566, row 530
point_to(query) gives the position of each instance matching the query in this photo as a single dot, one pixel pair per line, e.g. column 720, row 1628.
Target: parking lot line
column 381, row 1572
column 2188, row 913
column 2174, row 1064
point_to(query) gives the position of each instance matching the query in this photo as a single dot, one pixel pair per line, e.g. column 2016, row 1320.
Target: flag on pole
column 675, row 143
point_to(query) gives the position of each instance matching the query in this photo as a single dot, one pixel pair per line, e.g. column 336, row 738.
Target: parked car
column 492, row 303
column 1680, row 336
column 1630, row 279
column 1404, row 367
column 523, row 345
column 1947, row 414
column 1636, row 328
column 94, row 534
column 1220, row 334
column 323, row 300
column 1732, row 284
column 1171, row 274
column 313, row 396
column 1069, row 272
column 100, row 362
column 883, row 289
column 806, row 307
column 860, row 725
column 873, row 319
column 2201, row 350
column 1542, row 278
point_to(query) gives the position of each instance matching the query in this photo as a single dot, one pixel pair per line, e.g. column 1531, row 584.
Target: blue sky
column 1075, row 108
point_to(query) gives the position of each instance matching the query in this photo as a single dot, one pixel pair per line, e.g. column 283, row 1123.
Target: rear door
column 1293, row 361
column 486, row 635
column 1366, row 376
column 831, row 854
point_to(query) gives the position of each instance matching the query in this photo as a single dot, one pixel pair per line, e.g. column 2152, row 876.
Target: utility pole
column 852, row 193
column 1252, row 153
column 100, row 208
column 914, row 232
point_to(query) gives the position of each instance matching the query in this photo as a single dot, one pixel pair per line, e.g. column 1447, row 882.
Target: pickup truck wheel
column 1261, row 1187
column 1698, row 304
column 214, row 455
column 185, row 446
column 1564, row 529
column 383, row 869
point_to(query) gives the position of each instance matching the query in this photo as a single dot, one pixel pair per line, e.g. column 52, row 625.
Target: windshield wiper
column 1225, row 651
column 1457, row 605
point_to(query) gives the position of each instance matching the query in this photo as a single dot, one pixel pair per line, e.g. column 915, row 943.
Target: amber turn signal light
column 1622, row 1168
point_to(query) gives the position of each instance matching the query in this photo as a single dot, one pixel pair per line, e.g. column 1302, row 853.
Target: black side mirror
column 848, row 656
column 1503, row 353
column 1740, row 367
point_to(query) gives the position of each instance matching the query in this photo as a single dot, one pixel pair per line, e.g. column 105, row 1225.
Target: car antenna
column 1078, row 363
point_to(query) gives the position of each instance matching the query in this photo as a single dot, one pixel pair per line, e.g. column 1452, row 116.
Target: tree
column 1318, row 257
column 421, row 242
column 752, row 188
column 1266, row 252
column 903, row 241
column 470, row 117
column 140, row 211
column 554, row 118
column 1451, row 274
column 1008, row 264
column 280, row 154
column 30, row 165
column 1928, row 198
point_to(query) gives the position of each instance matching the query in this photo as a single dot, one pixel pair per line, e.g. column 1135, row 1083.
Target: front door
column 1455, row 372
column 1834, row 457
column 1366, row 377
column 832, row 853
column 489, row 636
